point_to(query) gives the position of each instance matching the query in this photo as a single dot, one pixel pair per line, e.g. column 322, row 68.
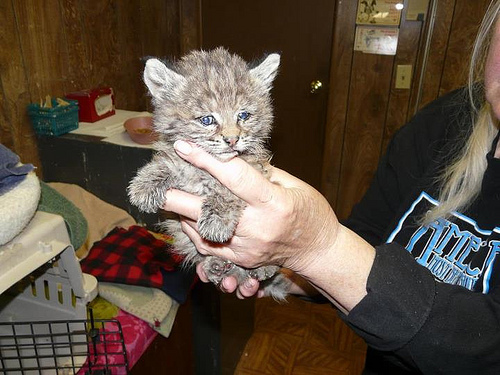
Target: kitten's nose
column 231, row 140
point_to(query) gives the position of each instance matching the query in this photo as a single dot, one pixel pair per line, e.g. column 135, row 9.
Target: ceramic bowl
column 140, row 129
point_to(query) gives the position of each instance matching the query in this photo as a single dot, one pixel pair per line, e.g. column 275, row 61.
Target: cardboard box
column 94, row 104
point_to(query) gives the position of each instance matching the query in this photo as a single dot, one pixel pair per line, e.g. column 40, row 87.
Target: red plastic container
column 94, row 104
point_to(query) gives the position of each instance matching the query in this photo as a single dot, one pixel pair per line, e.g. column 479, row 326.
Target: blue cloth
column 178, row 283
column 11, row 174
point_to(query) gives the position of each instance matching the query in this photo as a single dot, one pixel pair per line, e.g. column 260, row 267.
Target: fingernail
column 250, row 283
column 183, row 147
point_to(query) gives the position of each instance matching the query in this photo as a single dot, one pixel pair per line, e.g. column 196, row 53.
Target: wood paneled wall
column 55, row 46
column 365, row 108
column 52, row 47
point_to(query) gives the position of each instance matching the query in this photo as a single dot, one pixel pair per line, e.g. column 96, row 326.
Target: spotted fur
column 218, row 101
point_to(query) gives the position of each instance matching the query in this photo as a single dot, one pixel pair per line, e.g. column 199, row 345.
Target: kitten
column 214, row 99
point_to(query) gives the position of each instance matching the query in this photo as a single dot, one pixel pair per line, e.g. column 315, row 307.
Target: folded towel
column 136, row 257
column 12, row 172
column 52, row 201
column 149, row 304
column 101, row 216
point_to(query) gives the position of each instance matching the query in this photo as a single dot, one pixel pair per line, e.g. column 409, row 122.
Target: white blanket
column 18, row 206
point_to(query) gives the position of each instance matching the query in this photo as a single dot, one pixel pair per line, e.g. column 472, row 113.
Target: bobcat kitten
column 216, row 100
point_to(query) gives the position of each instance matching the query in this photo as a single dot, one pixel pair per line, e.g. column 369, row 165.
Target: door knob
column 316, row 85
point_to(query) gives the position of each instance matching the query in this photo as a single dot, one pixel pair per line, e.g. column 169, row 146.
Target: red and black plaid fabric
column 131, row 256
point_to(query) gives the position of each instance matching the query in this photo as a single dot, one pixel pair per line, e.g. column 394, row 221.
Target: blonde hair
column 461, row 181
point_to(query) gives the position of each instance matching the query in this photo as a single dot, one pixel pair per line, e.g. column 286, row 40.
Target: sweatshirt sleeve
column 439, row 328
column 432, row 326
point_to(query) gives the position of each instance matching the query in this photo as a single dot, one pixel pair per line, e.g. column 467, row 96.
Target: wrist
column 318, row 249
column 340, row 270
column 316, row 230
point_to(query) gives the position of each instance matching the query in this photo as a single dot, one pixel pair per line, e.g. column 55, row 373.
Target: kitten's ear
column 266, row 71
column 160, row 80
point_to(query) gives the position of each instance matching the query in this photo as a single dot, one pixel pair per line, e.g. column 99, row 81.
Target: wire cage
column 44, row 324
column 90, row 347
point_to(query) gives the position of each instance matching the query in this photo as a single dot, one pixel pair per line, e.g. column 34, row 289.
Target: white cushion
column 18, row 206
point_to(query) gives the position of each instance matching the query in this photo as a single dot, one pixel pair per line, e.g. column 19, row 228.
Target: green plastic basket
column 57, row 120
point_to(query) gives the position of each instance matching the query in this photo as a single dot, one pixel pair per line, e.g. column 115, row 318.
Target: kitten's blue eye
column 243, row 115
column 207, row 120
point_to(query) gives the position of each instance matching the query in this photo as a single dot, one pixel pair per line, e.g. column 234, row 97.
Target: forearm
column 465, row 342
column 341, row 270
column 407, row 312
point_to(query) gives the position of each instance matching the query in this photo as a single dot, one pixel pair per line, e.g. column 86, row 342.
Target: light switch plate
column 403, row 76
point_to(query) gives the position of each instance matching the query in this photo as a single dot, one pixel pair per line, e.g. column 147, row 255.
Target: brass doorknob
column 316, row 85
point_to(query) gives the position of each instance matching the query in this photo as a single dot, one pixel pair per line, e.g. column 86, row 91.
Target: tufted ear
column 266, row 71
column 160, row 80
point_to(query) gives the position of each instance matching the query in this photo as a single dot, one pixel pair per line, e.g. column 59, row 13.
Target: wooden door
column 366, row 108
column 302, row 32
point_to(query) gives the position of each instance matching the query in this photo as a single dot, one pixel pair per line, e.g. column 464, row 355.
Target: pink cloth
column 137, row 335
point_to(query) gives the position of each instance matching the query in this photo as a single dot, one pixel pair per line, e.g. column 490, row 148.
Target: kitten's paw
column 143, row 197
column 263, row 273
column 216, row 268
column 149, row 187
column 214, row 228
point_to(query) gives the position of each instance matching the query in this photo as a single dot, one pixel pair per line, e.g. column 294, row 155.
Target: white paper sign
column 376, row 40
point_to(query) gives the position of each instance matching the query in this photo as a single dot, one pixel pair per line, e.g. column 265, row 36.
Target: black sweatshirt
column 433, row 302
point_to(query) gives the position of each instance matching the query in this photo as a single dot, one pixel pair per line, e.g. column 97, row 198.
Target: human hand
column 251, row 287
column 229, row 284
column 286, row 221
